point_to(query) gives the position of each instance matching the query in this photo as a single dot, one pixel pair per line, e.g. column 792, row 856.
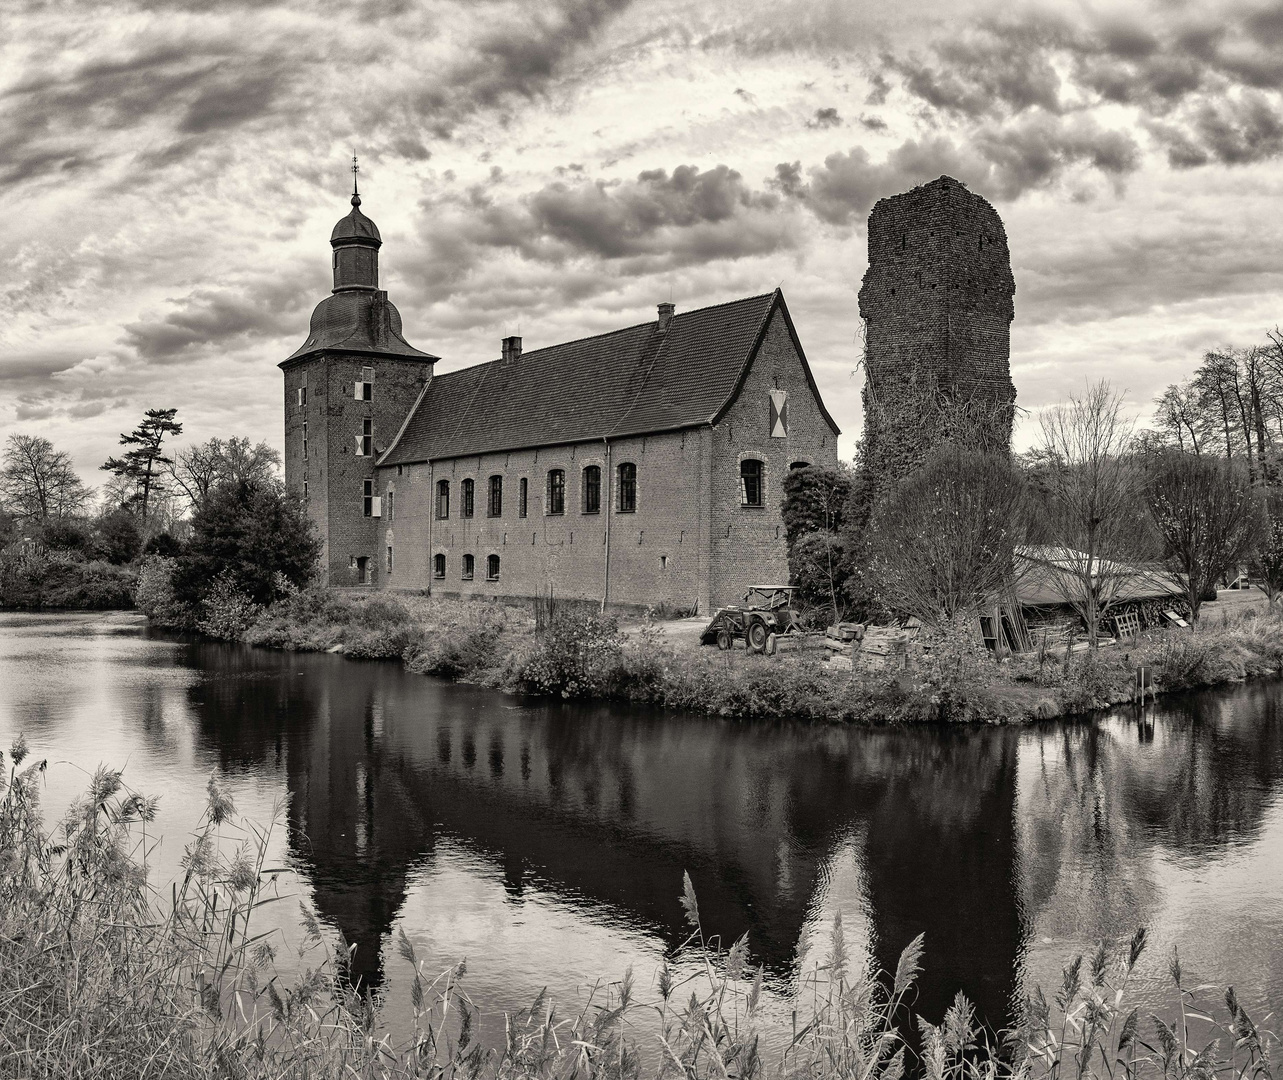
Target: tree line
column 213, row 508
column 1097, row 513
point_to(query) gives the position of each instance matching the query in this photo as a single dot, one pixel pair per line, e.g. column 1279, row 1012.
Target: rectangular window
column 389, row 558
column 367, row 497
column 522, row 489
column 302, row 396
column 391, row 509
column 363, row 391
column 305, row 491
column 466, row 496
column 443, row 499
column 627, row 487
column 365, row 441
column 494, row 504
column 363, row 576
column 592, row 489
column 556, row 491
column 467, row 568
column 751, row 493
column 492, row 567
column 304, row 440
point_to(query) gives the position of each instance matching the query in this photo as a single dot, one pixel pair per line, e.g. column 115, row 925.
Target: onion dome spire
column 356, row 242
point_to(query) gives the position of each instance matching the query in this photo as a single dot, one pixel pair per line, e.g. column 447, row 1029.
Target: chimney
column 665, row 316
column 511, row 348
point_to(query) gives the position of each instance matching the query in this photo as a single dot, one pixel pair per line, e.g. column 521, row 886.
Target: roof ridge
column 611, row 333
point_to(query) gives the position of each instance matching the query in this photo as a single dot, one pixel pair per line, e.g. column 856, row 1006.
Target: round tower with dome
column 348, row 388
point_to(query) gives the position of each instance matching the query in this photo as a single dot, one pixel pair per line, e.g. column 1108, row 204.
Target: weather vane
column 355, row 169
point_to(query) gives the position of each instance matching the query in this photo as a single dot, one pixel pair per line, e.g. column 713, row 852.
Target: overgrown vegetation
column 104, row 974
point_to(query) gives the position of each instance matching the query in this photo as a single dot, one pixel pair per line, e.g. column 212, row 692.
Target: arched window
column 438, row 565
column 751, row 493
column 466, row 491
column 556, row 491
column 494, row 505
column 592, row 489
column 467, row 568
column 492, row 567
column 443, row 499
column 627, row 487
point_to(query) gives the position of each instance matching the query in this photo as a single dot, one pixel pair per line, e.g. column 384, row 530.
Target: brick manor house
column 638, row 467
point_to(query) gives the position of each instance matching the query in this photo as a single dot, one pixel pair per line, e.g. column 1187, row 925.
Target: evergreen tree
column 143, row 466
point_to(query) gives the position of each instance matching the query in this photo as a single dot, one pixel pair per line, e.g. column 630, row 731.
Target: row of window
column 467, row 567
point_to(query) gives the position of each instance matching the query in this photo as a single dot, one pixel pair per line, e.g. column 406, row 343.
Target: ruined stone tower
column 937, row 305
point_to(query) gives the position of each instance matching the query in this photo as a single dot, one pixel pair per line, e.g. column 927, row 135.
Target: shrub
column 154, row 594
column 67, row 535
column 88, row 586
column 225, row 611
column 117, row 538
column 162, row 544
column 462, row 648
column 575, row 657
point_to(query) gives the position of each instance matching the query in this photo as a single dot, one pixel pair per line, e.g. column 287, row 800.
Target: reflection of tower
column 940, row 859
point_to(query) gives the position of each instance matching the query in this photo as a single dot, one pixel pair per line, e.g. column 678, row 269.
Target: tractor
column 767, row 610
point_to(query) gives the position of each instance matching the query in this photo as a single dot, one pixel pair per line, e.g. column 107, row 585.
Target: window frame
column 492, row 567
column 443, row 500
column 467, row 497
column 468, row 569
column 626, row 488
column 367, row 498
column 556, row 493
column 590, row 490
column 523, row 497
column 438, row 566
column 745, row 502
column 494, row 495
column 365, row 441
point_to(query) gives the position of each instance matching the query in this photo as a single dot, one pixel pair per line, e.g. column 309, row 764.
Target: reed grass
column 103, row 975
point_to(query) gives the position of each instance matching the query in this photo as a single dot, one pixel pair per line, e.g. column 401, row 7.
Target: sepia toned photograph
column 641, row 540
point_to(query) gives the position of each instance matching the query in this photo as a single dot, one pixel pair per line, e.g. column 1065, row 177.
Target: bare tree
column 944, row 538
column 38, row 482
column 1180, row 416
column 1209, row 517
column 197, row 470
column 1091, row 497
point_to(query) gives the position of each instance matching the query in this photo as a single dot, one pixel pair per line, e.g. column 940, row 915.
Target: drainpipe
column 432, row 513
column 610, row 502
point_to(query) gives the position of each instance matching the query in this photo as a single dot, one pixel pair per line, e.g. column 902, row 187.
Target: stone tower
column 937, row 301
column 348, row 389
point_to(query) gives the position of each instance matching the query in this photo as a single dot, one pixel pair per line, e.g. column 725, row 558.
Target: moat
column 546, row 842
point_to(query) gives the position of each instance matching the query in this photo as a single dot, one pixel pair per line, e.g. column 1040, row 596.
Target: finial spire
column 356, row 195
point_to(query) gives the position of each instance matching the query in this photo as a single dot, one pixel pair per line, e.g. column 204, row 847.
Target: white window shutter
column 356, row 391
column 376, row 506
column 360, row 449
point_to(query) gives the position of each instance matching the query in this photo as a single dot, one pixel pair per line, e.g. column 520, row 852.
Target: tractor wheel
column 724, row 639
column 757, row 635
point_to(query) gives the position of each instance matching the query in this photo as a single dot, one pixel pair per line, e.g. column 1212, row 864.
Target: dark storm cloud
column 1002, row 160
column 825, row 118
column 660, row 219
column 222, row 317
column 1206, row 85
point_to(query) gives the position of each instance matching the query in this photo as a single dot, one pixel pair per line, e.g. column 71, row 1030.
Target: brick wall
column 656, row 552
column 938, row 303
column 747, row 544
column 334, row 471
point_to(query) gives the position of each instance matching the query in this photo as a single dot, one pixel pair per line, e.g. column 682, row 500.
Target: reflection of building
column 639, row 466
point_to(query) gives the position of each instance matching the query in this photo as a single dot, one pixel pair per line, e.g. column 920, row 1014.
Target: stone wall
column 937, row 301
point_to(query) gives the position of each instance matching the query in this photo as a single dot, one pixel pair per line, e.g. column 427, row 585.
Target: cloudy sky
column 171, row 170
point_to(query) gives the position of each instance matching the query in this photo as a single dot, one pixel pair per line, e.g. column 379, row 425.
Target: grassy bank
column 573, row 652
column 104, row 974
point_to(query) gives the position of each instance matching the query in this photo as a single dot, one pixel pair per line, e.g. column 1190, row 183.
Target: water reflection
column 553, row 838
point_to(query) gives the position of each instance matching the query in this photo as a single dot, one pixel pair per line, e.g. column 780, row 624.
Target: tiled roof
column 630, row 382
column 356, row 226
column 357, row 320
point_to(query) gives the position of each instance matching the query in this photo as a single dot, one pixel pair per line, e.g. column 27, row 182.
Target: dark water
column 546, row 842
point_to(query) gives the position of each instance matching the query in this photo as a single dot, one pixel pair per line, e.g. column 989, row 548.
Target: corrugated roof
column 628, row 382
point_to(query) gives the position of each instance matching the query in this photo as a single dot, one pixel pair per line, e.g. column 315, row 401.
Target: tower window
column 492, row 567
column 592, row 489
column 627, row 487
column 443, row 499
column 467, row 567
column 438, row 566
column 494, row 504
column 304, row 440
column 391, row 509
column 523, row 488
column 302, row 396
column 556, row 491
column 365, row 441
column 466, row 490
column 363, row 391
column 371, row 504
column 751, row 493
column 389, row 558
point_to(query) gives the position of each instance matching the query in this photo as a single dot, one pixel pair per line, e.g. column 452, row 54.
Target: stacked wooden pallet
column 866, row 648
